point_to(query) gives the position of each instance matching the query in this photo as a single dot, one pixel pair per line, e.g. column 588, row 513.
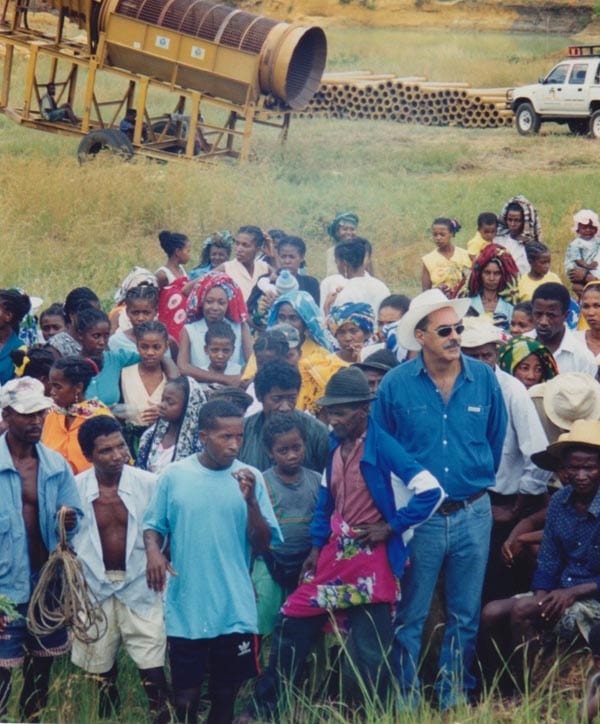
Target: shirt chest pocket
column 6, row 545
column 475, row 421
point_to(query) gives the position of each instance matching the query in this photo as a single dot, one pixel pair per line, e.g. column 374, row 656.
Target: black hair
column 280, row 424
column 525, row 307
column 553, row 292
column 515, row 206
column 535, row 249
column 255, row 232
column 217, row 240
column 54, row 310
column 235, row 395
column 77, row 369
column 272, row 340
column 89, row 317
column 277, row 235
column 79, row 298
column 94, row 428
column 487, row 218
column 219, row 330
column 295, row 241
column 40, row 361
column 16, row 304
column 145, row 292
column 212, row 411
column 352, row 252
column 151, row 327
column 276, row 373
column 452, row 225
column 170, row 241
column 396, row 301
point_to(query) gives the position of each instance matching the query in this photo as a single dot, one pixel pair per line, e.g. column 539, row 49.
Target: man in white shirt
column 109, row 544
column 550, row 310
column 521, row 487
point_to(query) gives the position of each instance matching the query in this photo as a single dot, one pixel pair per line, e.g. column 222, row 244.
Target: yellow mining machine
column 222, row 70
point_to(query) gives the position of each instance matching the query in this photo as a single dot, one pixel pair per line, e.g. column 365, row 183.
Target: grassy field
column 64, row 225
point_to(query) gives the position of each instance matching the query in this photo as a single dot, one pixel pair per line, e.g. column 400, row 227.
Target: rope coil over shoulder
column 62, row 596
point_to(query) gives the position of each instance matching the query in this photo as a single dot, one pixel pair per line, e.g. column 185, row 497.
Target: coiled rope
column 62, row 596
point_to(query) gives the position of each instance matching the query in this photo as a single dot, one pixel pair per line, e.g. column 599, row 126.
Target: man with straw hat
column 567, row 579
column 359, row 534
column 36, row 482
column 448, row 413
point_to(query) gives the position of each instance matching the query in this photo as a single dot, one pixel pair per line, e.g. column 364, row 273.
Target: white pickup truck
column 570, row 94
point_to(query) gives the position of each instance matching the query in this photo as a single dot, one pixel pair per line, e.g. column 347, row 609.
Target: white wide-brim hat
column 422, row 305
column 571, row 396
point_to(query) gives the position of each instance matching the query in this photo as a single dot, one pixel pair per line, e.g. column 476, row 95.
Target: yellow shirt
column 448, row 271
column 476, row 245
column 527, row 285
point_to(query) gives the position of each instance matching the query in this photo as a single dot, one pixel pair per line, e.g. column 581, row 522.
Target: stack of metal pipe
column 414, row 99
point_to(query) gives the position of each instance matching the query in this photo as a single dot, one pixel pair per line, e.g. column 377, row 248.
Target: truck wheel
column 527, row 120
column 107, row 139
column 578, row 126
column 595, row 125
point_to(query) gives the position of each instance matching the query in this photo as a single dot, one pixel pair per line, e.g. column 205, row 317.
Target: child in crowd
column 583, row 253
column 65, row 343
column 137, row 277
column 35, row 362
column 293, row 490
column 487, row 228
column 527, row 360
column 216, row 250
column 142, row 384
column 539, row 258
column 173, row 283
column 53, row 321
column 447, row 267
column 174, row 435
column 219, row 344
column 14, row 306
column 522, row 319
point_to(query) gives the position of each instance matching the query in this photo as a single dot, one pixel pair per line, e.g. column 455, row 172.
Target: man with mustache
column 448, row 413
column 36, row 483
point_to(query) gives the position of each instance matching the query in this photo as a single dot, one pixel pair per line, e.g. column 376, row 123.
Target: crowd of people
column 250, row 457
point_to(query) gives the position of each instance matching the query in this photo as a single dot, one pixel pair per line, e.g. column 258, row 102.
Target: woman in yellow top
column 69, row 378
column 538, row 256
column 447, row 267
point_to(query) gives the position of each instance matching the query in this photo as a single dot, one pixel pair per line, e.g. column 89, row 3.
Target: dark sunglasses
column 446, row 330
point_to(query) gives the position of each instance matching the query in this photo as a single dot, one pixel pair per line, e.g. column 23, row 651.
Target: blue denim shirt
column 459, row 441
column 570, row 551
column 56, row 487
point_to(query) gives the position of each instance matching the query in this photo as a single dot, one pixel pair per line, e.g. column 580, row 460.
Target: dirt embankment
column 558, row 16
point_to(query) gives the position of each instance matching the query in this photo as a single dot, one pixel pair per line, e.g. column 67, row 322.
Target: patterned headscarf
column 236, row 308
column 136, row 277
column 517, row 349
column 305, row 307
column 509, row 280
column 188, row 437
column 346, row 217
column 532, row 229
column 360, row 314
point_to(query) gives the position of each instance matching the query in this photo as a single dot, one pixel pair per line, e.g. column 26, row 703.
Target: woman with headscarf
column 528, row 360
column 518, row 224
column 175, row 434
column 342, row 228
column 352, row 325
column 215, row 298
column 216, row 250
column 494, row 285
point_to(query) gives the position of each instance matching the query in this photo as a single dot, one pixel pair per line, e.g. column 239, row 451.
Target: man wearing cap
column 567, row 579
column 376, row 365
column 521, row 487
column 36, row 483
column 447, row 412
column 359, row 534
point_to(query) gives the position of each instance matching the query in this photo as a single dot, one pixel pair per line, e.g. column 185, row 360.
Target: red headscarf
column 236, row 307
column 509, row 281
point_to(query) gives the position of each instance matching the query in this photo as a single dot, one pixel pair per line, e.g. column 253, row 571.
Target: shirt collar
column 594, row 506
column 466, row 367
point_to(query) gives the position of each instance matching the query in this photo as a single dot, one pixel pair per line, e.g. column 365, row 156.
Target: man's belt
column 451, row 506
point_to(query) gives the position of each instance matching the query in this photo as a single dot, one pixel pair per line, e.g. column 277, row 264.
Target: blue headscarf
column 305, row 307
column 358, row 313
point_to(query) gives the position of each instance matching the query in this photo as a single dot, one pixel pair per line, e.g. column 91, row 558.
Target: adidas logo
column 244, row 648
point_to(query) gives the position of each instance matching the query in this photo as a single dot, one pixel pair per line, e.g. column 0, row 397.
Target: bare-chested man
column 35, row 483
column 110, row 546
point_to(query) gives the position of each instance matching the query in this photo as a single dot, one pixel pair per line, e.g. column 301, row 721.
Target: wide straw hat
column 346, row 386
column 422, row 305
column 479, row 331
column 571, row 396
column 583, row 433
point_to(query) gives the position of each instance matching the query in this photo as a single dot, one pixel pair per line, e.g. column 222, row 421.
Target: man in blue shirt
column 448, row 413
column 36, row 482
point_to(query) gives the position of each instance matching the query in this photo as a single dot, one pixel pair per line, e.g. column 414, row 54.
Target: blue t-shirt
column 205, row 516
column 105, row 386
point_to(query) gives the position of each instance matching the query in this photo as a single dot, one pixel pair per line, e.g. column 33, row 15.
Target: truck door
column 552, row 89
column 575, row 91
